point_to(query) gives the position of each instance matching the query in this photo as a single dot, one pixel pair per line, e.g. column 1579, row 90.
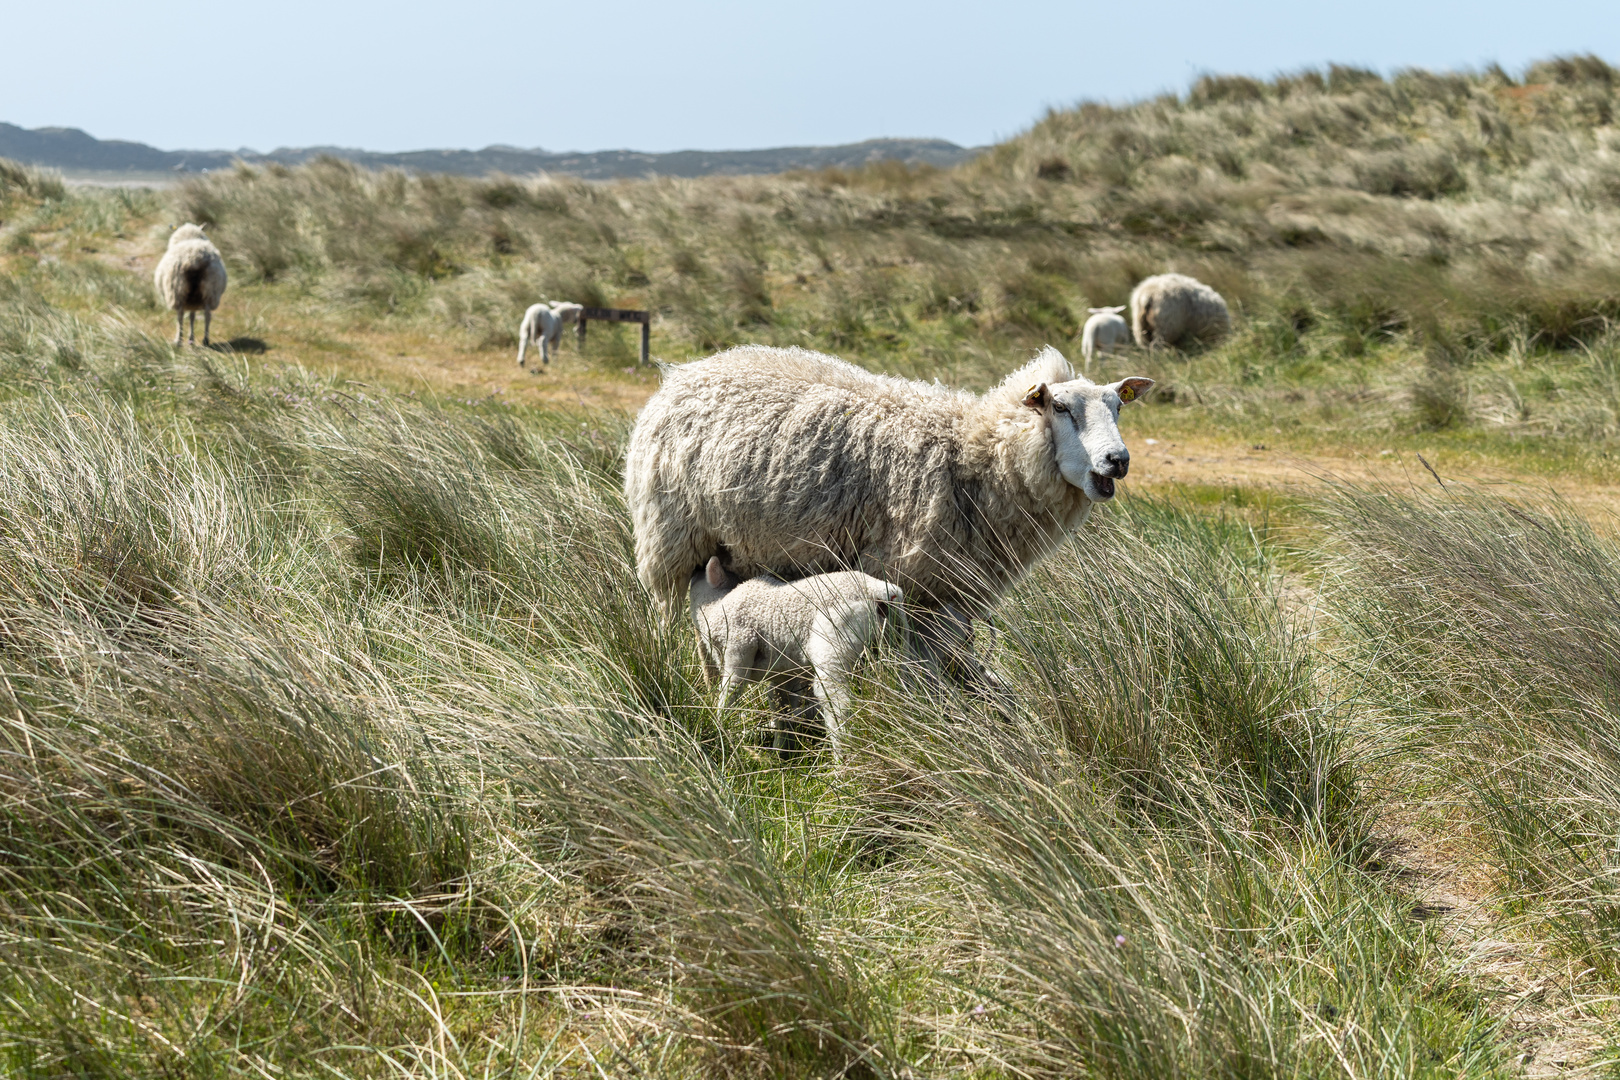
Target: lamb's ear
column 715, row 573
column 1038, row 397
column 1132, row 388
column 1116, row 310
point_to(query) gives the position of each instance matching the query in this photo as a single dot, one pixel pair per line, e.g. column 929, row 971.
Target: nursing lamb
column 789, row 633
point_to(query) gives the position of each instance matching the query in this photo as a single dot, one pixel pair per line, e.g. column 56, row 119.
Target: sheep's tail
column 1147, row 320
column 194, row 291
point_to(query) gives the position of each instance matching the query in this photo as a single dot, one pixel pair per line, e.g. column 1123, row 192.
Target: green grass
column 337, row 737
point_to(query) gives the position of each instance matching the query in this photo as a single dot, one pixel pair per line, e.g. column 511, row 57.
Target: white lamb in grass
column 1103, row 331
column 542, row 325
column 791, row 633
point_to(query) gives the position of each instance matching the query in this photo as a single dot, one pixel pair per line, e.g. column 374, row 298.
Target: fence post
column 646, row 340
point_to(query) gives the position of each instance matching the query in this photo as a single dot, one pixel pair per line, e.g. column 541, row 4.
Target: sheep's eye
column 1058, row 406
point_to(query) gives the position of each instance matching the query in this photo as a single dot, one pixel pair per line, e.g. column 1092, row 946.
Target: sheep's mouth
column 1102, row 485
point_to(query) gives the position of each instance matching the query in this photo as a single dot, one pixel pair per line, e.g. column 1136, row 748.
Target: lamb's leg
column 547, row 341
column 179, row 326
column 523, row 343
column 737, row 669
column 832, row 694
column 208, row 324
column 795, row 702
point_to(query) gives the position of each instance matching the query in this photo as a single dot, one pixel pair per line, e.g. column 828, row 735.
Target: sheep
column 1169, row 308
column 1103, row 331
column 543, row 325
column 190, row 277
column 792, row 463
column 782, row 632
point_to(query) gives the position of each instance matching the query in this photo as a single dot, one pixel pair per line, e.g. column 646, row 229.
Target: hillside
column 337, row 737
column 79, row 154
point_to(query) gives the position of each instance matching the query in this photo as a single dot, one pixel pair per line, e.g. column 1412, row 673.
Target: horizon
column 394, row 80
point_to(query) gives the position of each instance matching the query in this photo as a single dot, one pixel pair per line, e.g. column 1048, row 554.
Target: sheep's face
column 1084, row 419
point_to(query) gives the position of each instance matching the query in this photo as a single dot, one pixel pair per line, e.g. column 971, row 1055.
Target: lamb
column 543, row 325
column 768, row 629
column 792, row 463
column 1170, row 308
column 191, row 277
column 1103, row 331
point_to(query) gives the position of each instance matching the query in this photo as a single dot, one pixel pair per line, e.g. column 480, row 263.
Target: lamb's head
column 1084, row 420
column 711, row 583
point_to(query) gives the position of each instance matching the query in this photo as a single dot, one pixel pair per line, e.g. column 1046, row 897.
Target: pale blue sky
column 714, row 75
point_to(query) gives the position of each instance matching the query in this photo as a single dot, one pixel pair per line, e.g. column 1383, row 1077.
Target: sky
column 658, row 75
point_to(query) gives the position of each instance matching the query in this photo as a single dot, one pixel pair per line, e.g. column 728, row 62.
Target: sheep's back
column 794, row 463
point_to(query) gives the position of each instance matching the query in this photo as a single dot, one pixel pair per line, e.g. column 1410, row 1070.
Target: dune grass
column 337, row 737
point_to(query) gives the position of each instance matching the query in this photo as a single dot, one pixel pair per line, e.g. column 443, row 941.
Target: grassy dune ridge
column 337, row 737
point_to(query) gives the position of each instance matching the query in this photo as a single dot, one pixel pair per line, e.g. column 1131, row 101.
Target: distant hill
column 75, row 152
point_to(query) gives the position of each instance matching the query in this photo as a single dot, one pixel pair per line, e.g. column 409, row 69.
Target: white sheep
column 814, row 629
column 1103, row 331
column 791, row 463
column 1167, row 309
column 190, row 277
column 542, row 325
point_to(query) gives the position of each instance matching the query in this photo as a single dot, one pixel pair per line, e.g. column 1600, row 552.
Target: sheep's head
column 1084, row 419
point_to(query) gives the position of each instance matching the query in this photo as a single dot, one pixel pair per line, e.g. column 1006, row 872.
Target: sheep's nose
column 1116, row 463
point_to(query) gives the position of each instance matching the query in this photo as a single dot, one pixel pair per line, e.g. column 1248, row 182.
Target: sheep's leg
column 179, row 327
column 941, row 639
column 208, row 325
column 523, row 345
column 193, row 337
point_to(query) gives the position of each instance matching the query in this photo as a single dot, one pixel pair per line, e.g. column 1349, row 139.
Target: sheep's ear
column 1038, row 397
column 715, row 573
column 1115, row 310
column 1132, row 388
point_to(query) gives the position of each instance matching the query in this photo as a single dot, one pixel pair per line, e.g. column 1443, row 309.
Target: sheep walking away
column 190, row 278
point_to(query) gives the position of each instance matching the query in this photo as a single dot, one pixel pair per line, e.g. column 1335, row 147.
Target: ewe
column 1103, row 331
column 1170, row 308
column 791, row 463
column 190, row 277
column 543, row 325
column 815, row 628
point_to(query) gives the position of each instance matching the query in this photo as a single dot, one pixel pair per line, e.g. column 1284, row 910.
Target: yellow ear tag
column 1032, row 388
column 1127, row 393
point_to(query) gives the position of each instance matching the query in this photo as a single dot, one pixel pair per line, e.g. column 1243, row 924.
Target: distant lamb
column 812, row 629
column 1103, row 331
column 190, row 277
column 1171, row 308
column 542, row 325
column 791, row 463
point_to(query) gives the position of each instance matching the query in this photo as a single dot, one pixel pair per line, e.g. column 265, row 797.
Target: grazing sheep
column 1170, row 308
column 789, row 462
column 543, row 325
column 784, row 632
column 190, row 277
column 1103, row 331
